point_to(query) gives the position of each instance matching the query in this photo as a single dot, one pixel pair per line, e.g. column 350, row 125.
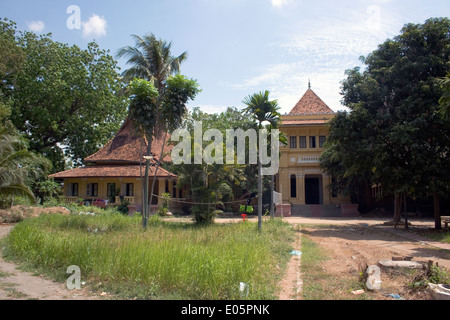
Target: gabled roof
column 310, row 103
column 127, row 146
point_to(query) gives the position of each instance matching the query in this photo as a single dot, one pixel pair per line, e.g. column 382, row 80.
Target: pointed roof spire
column 309, row 83
column 310, row 103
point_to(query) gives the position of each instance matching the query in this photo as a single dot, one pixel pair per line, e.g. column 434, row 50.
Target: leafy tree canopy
column 66, row 100
column 394, row 134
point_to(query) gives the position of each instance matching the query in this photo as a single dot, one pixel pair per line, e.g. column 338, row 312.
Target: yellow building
column 301, row 181
column 115, row 173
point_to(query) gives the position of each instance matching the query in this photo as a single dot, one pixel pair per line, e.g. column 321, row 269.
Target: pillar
column 301, row 188
column 161, row 189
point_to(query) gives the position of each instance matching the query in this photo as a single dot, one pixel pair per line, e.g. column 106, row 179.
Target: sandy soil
column 352, row 245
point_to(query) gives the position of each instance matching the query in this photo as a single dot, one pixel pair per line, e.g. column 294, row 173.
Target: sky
column 237, row 47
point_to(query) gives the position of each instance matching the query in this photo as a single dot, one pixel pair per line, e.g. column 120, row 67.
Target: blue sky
column 238, row 47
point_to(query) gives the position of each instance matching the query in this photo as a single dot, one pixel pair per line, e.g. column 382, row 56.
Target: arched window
column 293, row 186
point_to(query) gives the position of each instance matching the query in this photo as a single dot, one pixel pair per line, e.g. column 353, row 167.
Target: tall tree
column 394, row 134
column 65, row 99
column 152, row 60
column 210, row 184
column 261, row 110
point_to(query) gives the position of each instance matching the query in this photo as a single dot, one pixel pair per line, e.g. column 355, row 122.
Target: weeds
column 168, row 259
column 433, row 274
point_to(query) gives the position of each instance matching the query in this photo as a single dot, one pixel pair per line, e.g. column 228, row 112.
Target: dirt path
column 19, row 285
column 352, row 245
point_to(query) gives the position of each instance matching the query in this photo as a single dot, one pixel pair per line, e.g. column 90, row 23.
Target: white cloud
column 322, row 51
column 36, row 26
column 280, row 3
column 94, row 27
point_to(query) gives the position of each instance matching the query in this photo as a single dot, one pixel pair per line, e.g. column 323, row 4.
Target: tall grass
column 166, row 260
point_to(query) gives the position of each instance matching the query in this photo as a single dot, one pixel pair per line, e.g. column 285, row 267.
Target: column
column 161, row 189
column 301, row 188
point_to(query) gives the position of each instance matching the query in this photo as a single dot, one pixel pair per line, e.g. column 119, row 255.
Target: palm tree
column 261, row 109
column 151, row 60
column 17, row 164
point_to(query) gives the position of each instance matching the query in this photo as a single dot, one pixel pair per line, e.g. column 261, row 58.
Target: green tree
column 66, row 100
column 12, row 58
column 152, row 61
column 445, row 99
column 261, row 110
column 394, row 134
column 208, row 184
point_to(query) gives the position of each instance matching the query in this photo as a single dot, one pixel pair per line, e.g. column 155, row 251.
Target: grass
column 438, row 235
column 169, row 260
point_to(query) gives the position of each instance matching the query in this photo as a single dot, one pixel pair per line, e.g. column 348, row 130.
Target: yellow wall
column 304, row 163
column 160, row 187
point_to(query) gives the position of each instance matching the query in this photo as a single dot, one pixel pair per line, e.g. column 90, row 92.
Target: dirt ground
column 351, row 244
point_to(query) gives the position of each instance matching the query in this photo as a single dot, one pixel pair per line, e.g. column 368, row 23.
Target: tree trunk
column 259, row 193
column 156, row 170
column 437, row 212
column 146, row 180
column 406, row 211
column 397, row 207
column 145, row 196
column 272, row 189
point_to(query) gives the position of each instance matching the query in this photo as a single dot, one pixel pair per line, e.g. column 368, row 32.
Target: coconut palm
column 262, row 110
column 151, row 60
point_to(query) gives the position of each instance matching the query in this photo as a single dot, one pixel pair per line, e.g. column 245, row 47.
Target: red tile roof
column 110, row 171
column 310, row 103
column 128, row 146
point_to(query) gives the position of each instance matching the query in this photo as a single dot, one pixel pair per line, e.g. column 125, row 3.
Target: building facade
column 115, row 173
column 301, row 181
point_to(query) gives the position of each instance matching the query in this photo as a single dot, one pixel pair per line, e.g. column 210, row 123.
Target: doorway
column 313, row 194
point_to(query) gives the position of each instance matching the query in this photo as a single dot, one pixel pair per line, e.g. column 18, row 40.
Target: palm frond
column 16, row 190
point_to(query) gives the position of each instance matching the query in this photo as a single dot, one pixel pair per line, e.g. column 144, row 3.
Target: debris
column 243, row 289
column 374, row 278
column 296, row 253
column 356, row 292
column 439, row 291
column 400, row 264
column 395, row 296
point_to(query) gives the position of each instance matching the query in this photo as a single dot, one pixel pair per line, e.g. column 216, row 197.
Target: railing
column 125, row 198
column 71, row 199
column 309, row 159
